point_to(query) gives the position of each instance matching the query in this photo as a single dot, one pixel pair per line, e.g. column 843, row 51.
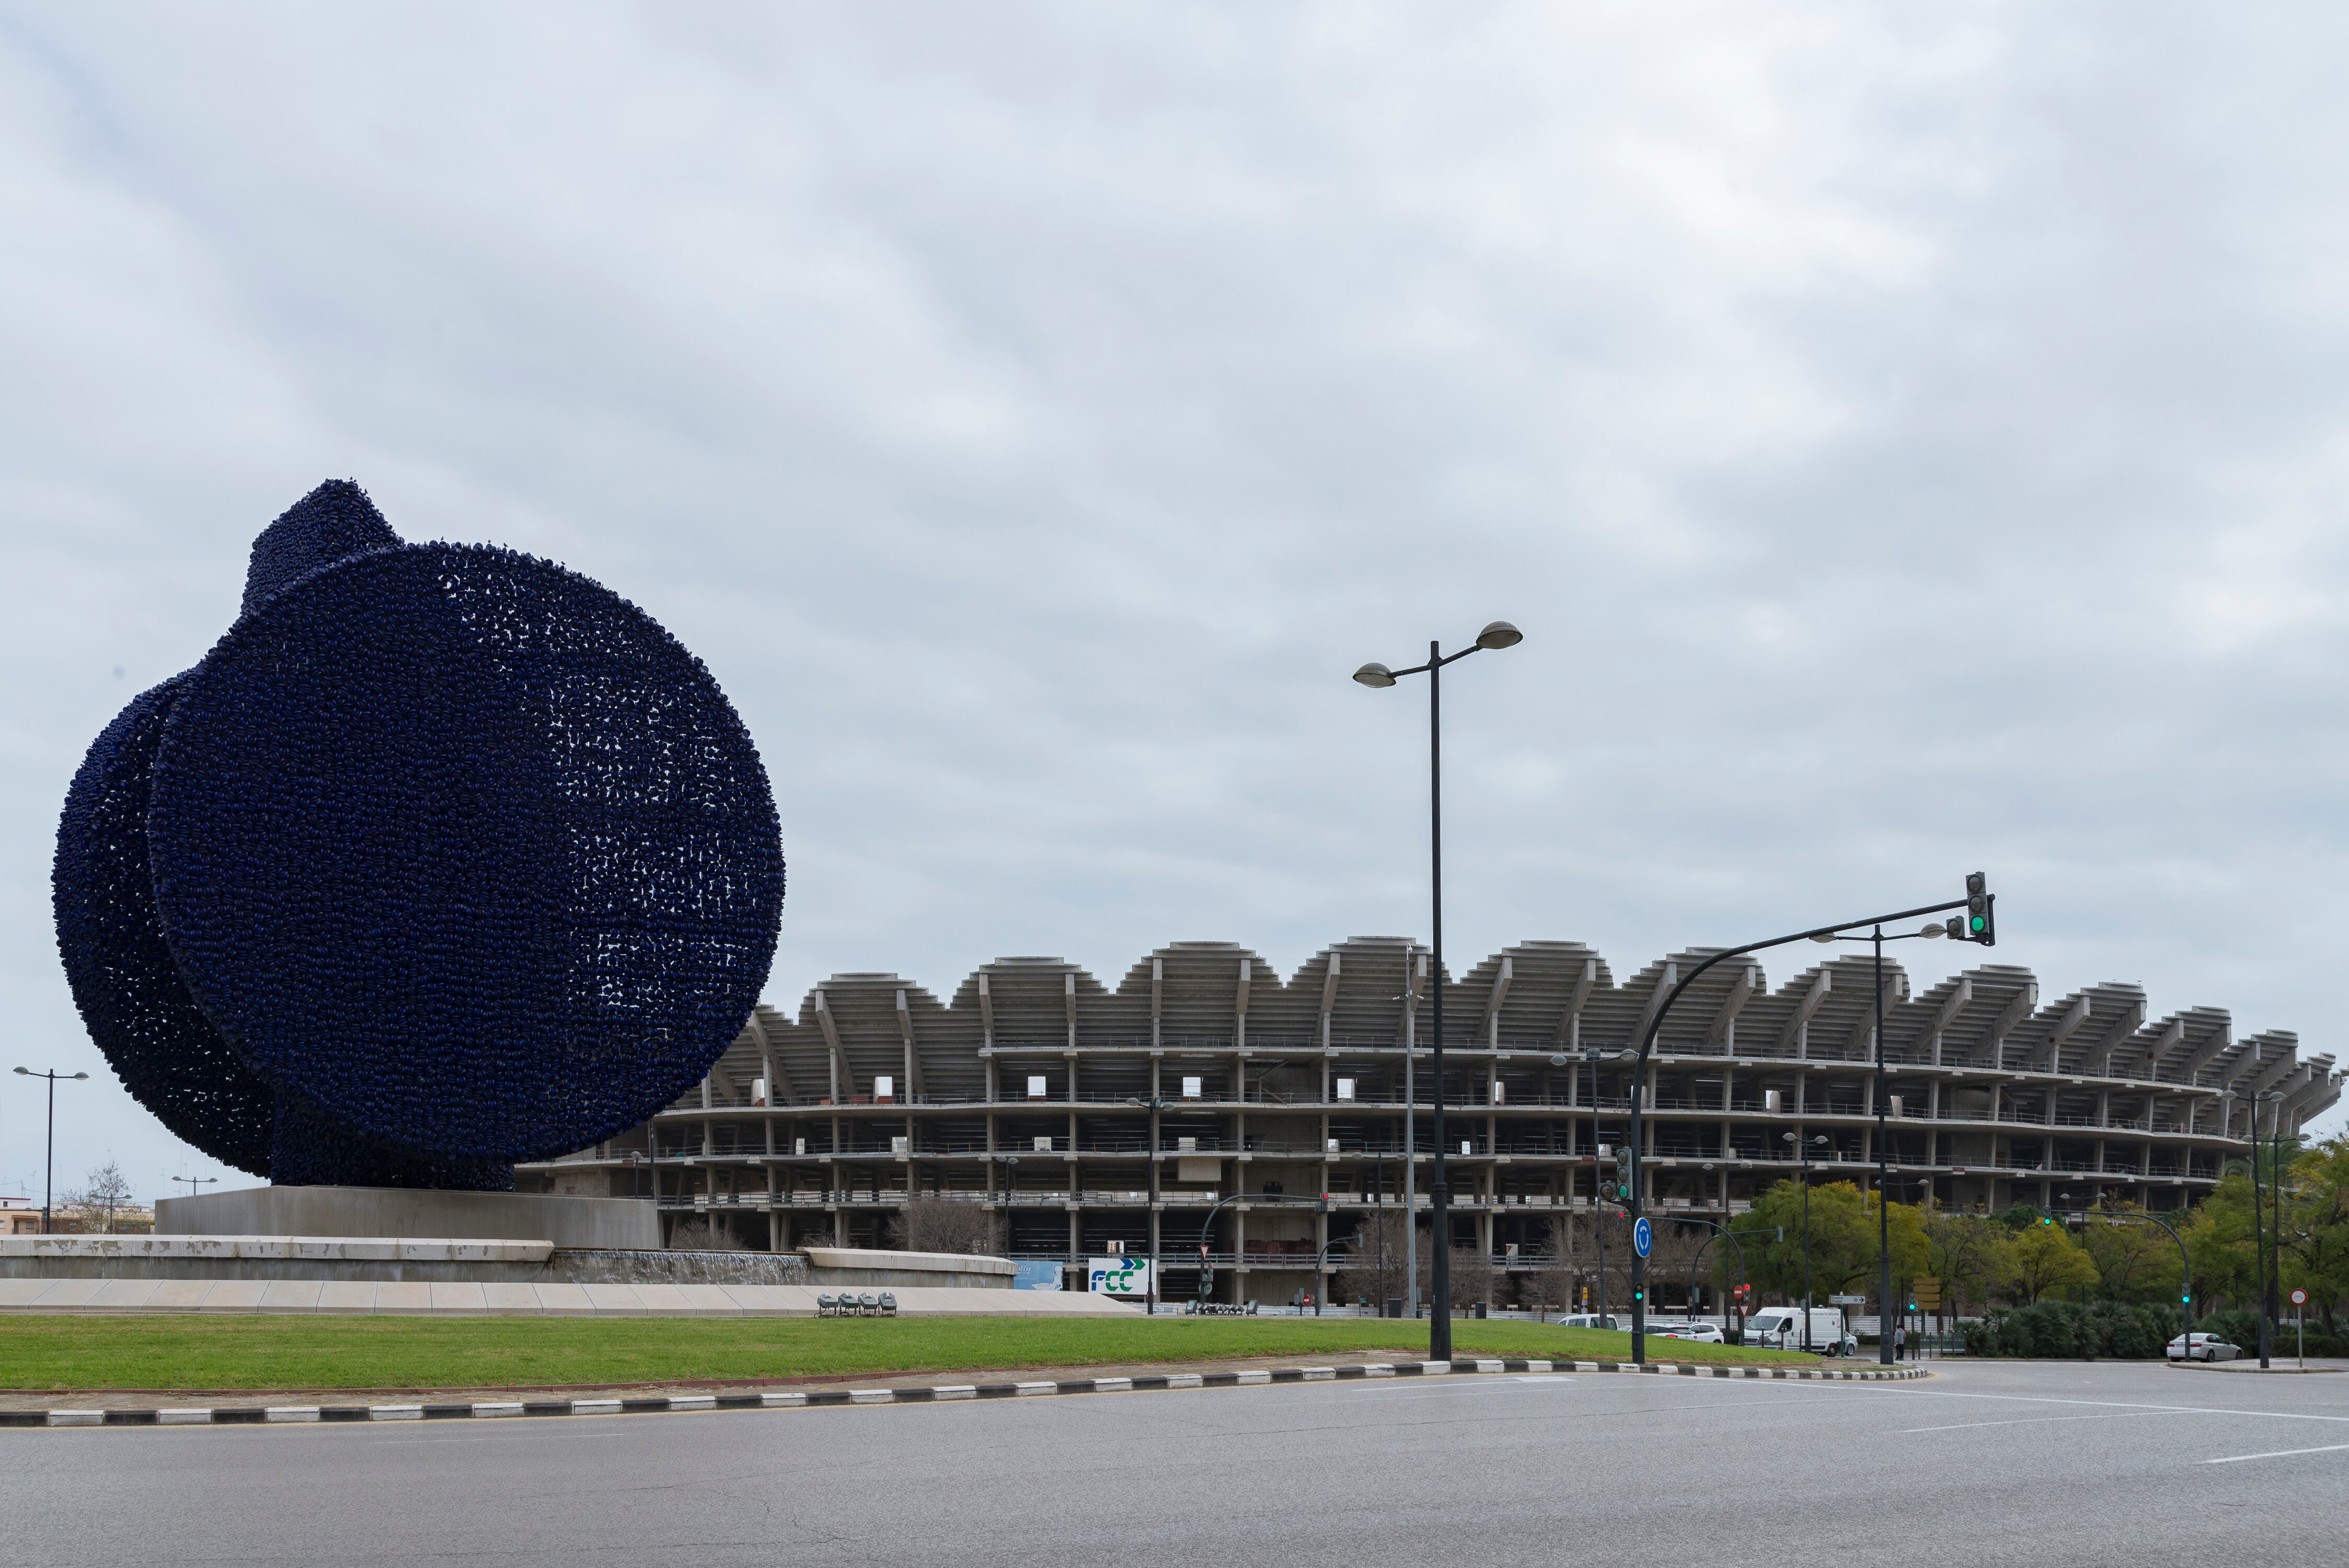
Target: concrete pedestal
column 401, row 1212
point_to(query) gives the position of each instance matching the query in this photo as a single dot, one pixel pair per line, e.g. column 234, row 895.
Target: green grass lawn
column 198, row 1352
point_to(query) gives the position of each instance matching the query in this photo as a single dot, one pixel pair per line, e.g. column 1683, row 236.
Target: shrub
column 2063, row 1329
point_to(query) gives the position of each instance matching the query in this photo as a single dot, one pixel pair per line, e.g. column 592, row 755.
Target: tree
column 2219, row 1236
column 2135, row 1260
column 1548, row 1285
column 1843, row 1241
column 2045, row 1258
column 943, row 1225
column 2314, row 1227
column 1474, row 1278
column 1374, row 1261
column 1967, row 1254
column 104, row 1192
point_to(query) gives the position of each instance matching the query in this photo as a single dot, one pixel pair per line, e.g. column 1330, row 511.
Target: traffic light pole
column 1648, row 1045
column 1598, row 1185
column 2185, row 1276
column 2259, row 1237
column 1720, row 1233
column 1883, row 1347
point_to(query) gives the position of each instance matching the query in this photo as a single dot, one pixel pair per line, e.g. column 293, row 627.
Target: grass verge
column 284, row 1352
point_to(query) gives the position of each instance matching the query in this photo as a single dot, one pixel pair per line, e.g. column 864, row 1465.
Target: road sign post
column 2299, row 1330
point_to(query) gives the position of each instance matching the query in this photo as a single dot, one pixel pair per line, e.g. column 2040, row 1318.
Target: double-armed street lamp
column 2260, row 1236
column 49, row 1157
column 1495, row 635
column 1803, row 1147
column 1877, row 939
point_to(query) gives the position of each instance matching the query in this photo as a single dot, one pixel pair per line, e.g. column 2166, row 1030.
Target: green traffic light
column 1978, row 923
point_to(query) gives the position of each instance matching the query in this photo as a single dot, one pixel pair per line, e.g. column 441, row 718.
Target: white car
column 2202, row 1347
column 1704, row 1332
column 1593, row 1320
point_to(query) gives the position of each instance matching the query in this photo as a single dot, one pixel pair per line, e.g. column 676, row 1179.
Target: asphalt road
column 2044, row 1464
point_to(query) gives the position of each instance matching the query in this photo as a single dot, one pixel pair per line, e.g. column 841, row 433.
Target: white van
column 1593, row 1320
column 1781, row 1328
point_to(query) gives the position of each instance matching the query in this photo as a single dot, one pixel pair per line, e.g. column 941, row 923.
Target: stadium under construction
column 1093, row 1119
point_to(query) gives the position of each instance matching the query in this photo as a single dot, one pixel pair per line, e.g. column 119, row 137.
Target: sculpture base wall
column 403, row 1212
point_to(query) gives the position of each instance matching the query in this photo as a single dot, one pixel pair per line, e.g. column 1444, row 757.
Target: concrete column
column 1076, row 1235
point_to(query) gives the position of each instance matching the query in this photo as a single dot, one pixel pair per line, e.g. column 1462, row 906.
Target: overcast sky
column 1912, row 441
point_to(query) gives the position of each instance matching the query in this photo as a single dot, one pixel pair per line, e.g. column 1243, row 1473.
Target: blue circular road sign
column 1642, row 1237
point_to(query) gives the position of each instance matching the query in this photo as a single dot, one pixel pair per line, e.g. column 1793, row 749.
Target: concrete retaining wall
column 400, row 1213
column 456, row 1260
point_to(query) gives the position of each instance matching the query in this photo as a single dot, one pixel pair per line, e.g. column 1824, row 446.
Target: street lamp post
column 2260, row 1238
column 1803, row 1147
column 195, row 1181
column 1154, row 1104
column 49, row 1157
column 1498, row 635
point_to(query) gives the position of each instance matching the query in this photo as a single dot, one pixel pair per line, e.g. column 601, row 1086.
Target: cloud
column 1912, row 444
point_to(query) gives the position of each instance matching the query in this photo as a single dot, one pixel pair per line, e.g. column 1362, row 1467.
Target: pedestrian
column 1900, row 1342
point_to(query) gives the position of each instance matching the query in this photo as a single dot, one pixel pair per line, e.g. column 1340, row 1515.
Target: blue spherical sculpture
column 443, row 857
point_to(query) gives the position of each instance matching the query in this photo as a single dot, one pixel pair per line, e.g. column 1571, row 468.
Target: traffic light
column 1623, row 1174
column 1980, row 922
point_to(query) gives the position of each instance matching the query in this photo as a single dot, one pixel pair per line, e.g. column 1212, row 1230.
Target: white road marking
column 2036, row 1420
column 2278, row 1454
column 2110, row 1404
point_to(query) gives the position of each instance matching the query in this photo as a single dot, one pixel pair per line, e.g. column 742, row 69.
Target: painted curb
column 496, row 1409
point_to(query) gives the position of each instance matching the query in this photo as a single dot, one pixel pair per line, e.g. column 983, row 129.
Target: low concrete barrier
column 400, row 1213
column 863, row 1266
column 496, row 1299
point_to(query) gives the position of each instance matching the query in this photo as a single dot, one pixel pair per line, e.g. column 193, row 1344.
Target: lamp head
column 1932, row 928
column 1375, row 675
column 1788, row 1136
column 1499, row 635
column 81, row 1075
column 24, row 1072
column 1822, row 937
column 1558, row 1061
